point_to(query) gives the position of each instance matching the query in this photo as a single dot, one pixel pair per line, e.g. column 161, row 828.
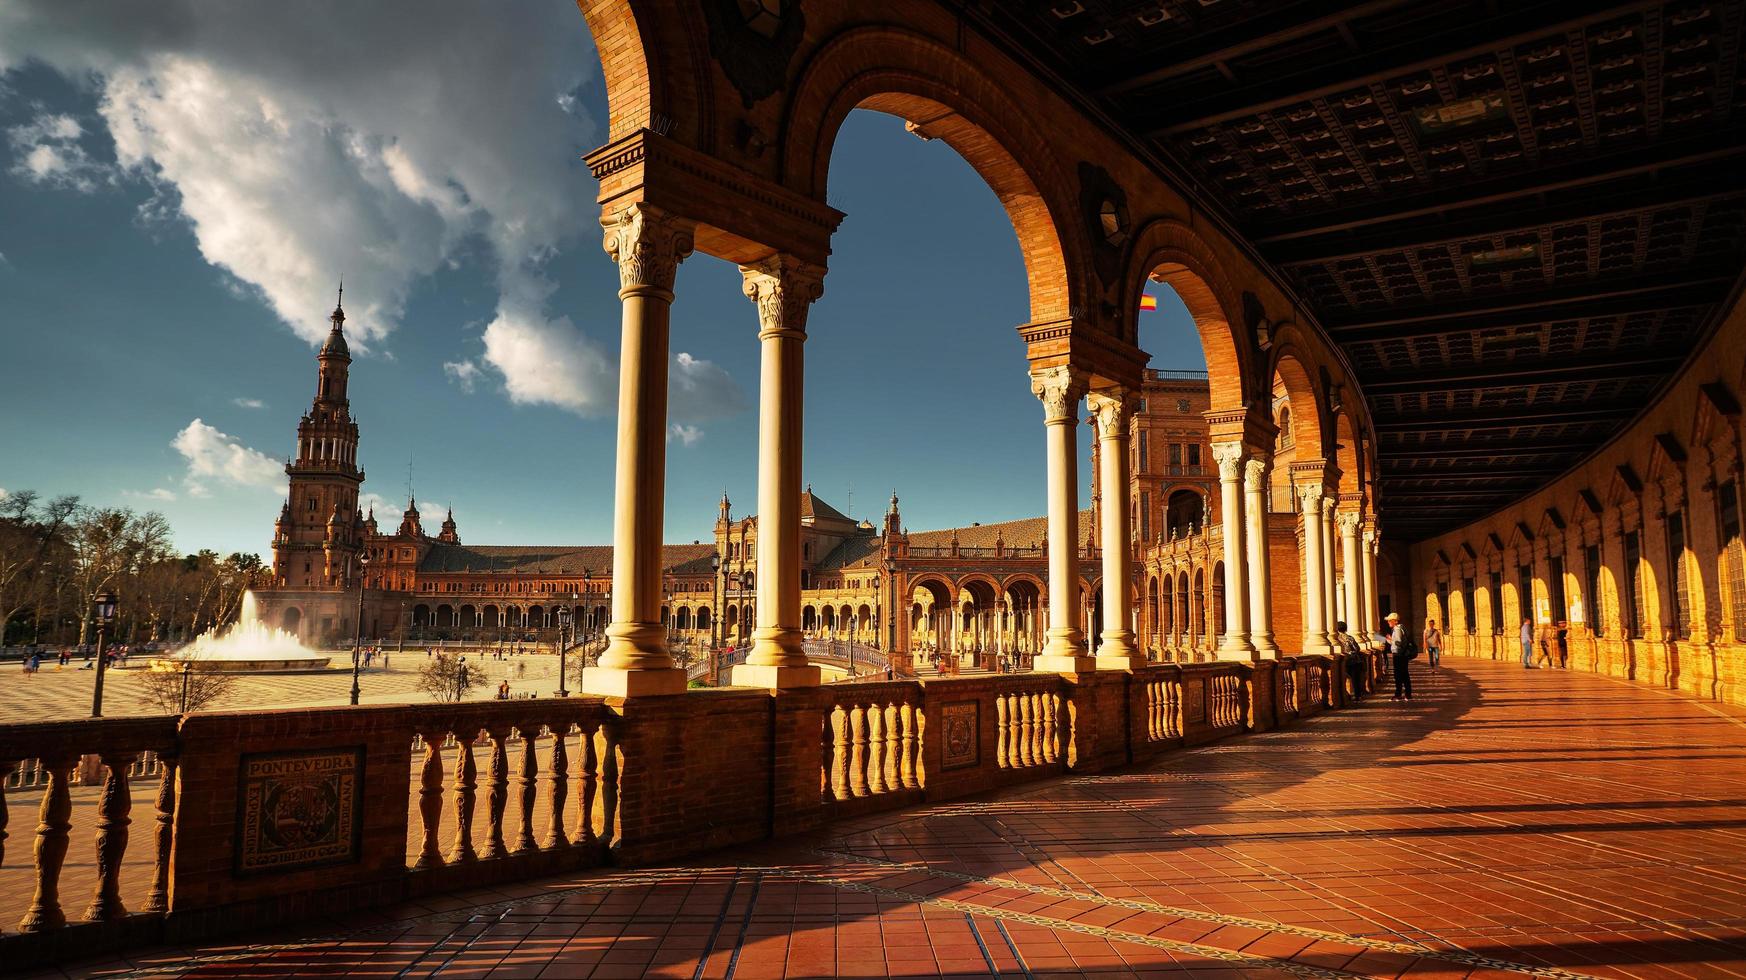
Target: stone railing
column 56, row 755
column 267, row 816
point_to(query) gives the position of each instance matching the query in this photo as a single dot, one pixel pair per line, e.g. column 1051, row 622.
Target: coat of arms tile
column 962, row 744
column 298, row 810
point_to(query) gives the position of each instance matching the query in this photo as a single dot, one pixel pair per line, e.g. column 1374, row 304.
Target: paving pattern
column 1506, row 822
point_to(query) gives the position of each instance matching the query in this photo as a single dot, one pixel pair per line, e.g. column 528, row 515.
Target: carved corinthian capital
column 1229, row 456
column 1113, row 408
column 648, row 246
column 1255, row 471
column 1348, row 522
column 783, row 289
column 1060, row 389
column 1311, row 495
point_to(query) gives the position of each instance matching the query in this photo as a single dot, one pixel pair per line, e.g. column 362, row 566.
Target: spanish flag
column 1148, row 301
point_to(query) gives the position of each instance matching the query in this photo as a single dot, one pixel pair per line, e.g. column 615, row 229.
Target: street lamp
column 720, row 600
column 103, row 611
column 563, row 625
column 358, row 641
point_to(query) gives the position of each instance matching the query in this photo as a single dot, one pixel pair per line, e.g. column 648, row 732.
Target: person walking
column 1544, row 635
column 1528, row 644
column 1563, row 636
column 1400, row 653
column 1433, row 642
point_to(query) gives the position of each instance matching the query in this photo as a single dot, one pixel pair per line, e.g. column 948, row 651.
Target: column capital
column 1255, row 471
column 648, row 244
column 1112, row 410
column 1229, row 456
column 784, row 289
column 1060, row 389
column 1348, row 522
column 1311, row 494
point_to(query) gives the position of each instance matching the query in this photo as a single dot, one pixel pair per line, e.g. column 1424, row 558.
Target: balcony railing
column 287, row 813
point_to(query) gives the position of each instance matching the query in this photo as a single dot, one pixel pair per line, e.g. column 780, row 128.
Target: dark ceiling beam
column 1491, row 223
column 1463, row 494
column 1515, row 447
column 1522, row 372
column 1248, row 36
column 1534, row 476
column 1721, row 145
column 1581, row 301
column 1483, row 35
column 1508, row 418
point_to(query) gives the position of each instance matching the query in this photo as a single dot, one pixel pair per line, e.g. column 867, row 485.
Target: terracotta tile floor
column 1507, row 822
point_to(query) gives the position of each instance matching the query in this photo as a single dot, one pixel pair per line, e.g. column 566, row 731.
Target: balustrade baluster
column 496, row 797
column 113, row 818
column 430, row 800
column 858, row 750
column 1026, row 725
column 466, row 788
column 839, row 729
column 875, row 749
column 911, row 746
column 6, row 768
column 588, row 758
column 921, row 735
column 530, row 781
column 893, row 745
column 51, row 847
column 558, row 791
column 608, row 784
column 1051, row 728
column 158, row 899
column 1003, row 754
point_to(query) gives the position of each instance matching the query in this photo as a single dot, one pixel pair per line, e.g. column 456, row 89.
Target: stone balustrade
column 266, row 816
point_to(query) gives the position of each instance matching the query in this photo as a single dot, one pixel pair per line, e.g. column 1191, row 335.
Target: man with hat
column 1400, row 655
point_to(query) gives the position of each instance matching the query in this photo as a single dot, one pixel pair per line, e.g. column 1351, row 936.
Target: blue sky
column 176, row 201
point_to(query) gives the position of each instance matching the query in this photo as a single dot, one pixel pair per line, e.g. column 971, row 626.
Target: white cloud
column 388, row 512
column 248, row 403
column 550, row 362
column 463, row 373
column 298, row 151
column 156, row 493
column 47, row 151
column 215, row 456
column 700, row 390
column 686, row 434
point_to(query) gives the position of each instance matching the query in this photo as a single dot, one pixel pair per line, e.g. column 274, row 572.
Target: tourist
column 1354, row 659
column 1433, row 642
column 1563, row 638
column 503, row 691
column 1527, row 643
column 1401, row 653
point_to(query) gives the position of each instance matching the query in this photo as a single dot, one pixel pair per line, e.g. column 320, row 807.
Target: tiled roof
column 592, row 559
column 858, row 551
column 813, row 507
column 1026, row 533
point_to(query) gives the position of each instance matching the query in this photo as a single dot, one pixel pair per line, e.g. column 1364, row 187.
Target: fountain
column 248, row 645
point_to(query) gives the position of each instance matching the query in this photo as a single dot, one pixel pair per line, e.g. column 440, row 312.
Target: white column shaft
column 1235, row 645
column 1260, row 560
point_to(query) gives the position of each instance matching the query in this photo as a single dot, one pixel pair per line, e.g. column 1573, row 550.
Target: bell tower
column 321, row 529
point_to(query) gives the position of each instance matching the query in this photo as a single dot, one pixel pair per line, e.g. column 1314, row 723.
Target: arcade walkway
column 1507, row 822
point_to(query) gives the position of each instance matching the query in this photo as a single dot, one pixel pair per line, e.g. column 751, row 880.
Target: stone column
column 1315, row 600
column 648, row 246
column 1332, row 544
column 1060, row 389
column 1354, row 578
column 1255, row 481
column 1373, row 615
column 783, row 291
column 1114, row 409
column 1235, row 645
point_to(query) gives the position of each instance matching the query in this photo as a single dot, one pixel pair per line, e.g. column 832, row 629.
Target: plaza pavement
column 1506, row 822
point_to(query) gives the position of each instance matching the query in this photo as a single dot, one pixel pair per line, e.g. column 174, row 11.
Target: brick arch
column 649, row 67
column 1309, row 413
column 1036, row 582
column 1172, row 253
column 949, row 98
column 1346, row 450
column 979, row 578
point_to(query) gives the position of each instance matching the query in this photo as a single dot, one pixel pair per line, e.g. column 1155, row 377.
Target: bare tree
column 448, row 678
column 190, row 688
column 32, row 539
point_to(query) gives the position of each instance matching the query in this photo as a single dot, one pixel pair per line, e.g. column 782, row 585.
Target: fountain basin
column 237, row 665
column 247, row 646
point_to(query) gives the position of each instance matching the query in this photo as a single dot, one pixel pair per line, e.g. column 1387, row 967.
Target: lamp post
column 564, row 624
column 718, row 597
column 358, row 641
column 103, row 611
